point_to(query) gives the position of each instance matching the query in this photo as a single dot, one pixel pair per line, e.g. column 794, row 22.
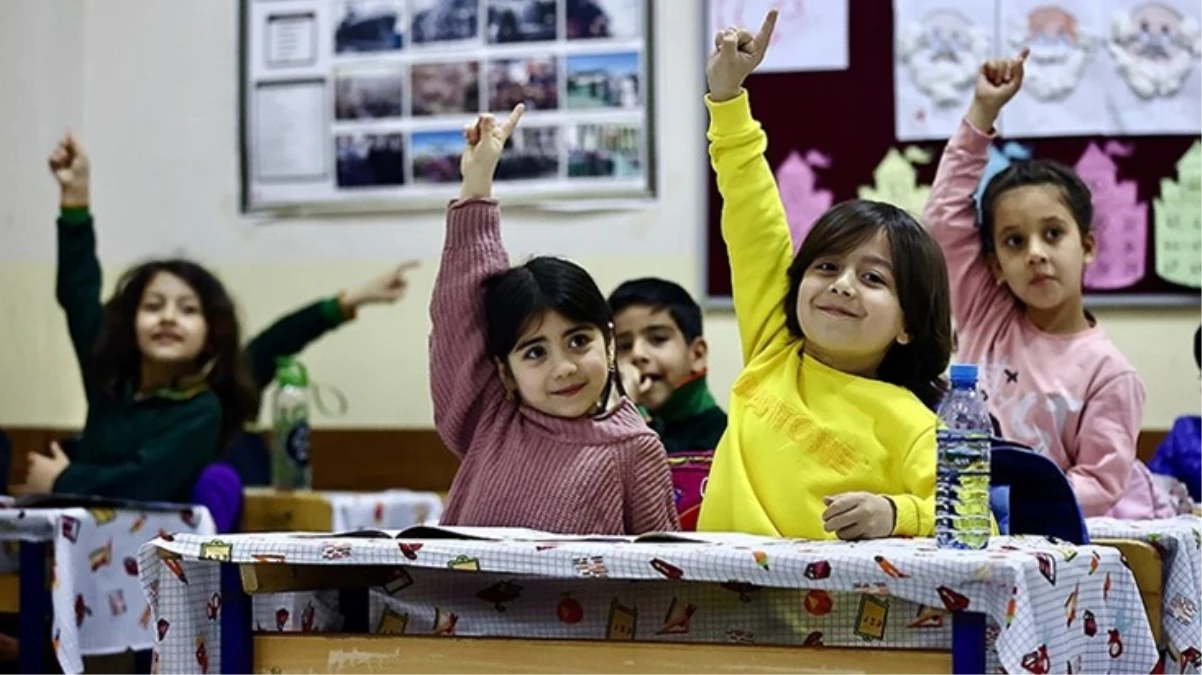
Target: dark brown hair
column 920, row 275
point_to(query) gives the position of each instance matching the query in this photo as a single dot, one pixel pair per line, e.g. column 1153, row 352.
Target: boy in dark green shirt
column 657, row 326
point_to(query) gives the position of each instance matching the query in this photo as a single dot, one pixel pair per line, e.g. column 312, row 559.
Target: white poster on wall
column 810, row 35
column 939, row 46
column 1064, row 87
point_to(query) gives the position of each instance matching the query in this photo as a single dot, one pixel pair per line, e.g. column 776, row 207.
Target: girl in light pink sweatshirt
column 1054, row 380
column 524, row 384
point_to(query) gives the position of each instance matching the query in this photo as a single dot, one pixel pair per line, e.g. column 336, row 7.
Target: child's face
column 649, row 339
column 1038, row 248
column 559, row 367
column 848, row 309
column 170, row 325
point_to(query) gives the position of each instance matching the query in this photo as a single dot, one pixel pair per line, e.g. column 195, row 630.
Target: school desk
column 78, row 568
column 1164, row 556
column 271, row 510
column 1040, row 606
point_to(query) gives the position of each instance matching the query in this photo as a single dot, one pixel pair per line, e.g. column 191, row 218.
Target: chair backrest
column 219, row 489
column 1041, row 500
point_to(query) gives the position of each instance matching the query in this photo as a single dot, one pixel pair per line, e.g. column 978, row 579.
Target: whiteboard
column 359, row 105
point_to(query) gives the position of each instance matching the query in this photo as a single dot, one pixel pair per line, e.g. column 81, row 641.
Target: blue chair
column 1032, row 495
column 219, row 489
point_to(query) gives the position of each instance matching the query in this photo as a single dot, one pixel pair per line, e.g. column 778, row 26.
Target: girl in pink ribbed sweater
column 524, row 385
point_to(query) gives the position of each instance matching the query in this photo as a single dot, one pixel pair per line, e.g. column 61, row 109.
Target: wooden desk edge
column 336, row 653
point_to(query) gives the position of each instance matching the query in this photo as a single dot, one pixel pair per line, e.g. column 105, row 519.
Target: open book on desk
column 467, row 533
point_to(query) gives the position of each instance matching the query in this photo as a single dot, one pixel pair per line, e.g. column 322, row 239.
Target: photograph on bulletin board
column 359, row 105
column 1113, row 90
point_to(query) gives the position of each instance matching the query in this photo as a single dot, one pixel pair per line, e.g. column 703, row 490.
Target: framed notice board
column 837, row 127
column 359, row 105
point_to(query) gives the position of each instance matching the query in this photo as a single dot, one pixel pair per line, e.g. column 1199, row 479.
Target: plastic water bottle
column 290, row 427
column 962, row 516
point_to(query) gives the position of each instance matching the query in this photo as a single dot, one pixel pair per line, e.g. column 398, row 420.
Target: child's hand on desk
column 43, row 471
column 384, row 289
column 71, row 168
column 485, row 141
column 858, row 515
column 736, row 53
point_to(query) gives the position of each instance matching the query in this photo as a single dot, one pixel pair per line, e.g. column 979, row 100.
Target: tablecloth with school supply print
column 350, row 511
column 1179, row 541
column 1055, row 608
column 99, row 606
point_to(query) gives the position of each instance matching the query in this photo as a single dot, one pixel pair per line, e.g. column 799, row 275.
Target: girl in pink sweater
column 524, row 384
column 1054, row 379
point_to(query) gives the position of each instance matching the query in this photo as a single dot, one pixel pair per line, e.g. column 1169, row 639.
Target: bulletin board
column 841, row 124
column 359, row 105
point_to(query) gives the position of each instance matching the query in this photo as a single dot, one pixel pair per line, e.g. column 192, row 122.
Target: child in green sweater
column 161, row 362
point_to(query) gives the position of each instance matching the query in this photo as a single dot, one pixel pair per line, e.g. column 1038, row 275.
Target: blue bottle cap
column 963, row 374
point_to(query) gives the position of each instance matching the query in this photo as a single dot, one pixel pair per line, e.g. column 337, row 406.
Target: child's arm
column 951, row 214
column 77, row 283
column 650, row 500
column 184, row 440
column 464, row 384
column 293, row 332
column 1106, row 444
column 754, row 225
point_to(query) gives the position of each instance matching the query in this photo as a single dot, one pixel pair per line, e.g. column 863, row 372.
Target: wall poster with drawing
column 359, row 105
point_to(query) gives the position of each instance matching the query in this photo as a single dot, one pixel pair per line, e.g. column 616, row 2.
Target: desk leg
column 237, row 641
column 355, row 606
column 35, row 606
column 968, row 642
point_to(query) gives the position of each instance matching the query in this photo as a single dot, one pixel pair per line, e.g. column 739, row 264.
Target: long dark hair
column 920, row 276
column 117, row 361
column 521, row 294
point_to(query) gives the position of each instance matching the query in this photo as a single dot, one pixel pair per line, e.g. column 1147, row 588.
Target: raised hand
column 384, row 289
column 997, row 83
column 71, row 168
column 485, row 141
column 736, row 53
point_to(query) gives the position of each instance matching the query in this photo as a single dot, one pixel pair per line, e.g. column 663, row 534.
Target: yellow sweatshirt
column 798, row 430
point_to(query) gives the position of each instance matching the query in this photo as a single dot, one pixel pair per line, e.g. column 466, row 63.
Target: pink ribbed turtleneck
column 522, row 468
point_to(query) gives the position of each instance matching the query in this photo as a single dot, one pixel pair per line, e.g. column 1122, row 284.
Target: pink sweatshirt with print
column 1074, row 398
column 519, row 467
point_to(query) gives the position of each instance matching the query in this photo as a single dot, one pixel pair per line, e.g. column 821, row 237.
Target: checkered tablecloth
column 1179, row 541
column 99, row 606
column 1055, row 608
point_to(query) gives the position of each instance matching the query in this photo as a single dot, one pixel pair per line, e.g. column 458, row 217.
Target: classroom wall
column 151, row 87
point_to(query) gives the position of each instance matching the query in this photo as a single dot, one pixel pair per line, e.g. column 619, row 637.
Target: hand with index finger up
column 484, row 143
column 736, row 53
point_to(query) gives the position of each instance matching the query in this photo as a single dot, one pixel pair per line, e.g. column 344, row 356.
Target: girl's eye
column 533, row 353
column 874, row 278
column 825, row 267
column 1054, row 234
column 1014, row 241
column 579, row 340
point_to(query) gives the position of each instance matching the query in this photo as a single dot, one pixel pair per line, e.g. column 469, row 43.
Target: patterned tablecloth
column 390, row 509
column 1179, row 541
column 350, row 511
column 1054, row 608
column 99, row 606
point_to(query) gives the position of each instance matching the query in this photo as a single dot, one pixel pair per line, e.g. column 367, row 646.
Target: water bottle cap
column 964, row 373
column 289, row 371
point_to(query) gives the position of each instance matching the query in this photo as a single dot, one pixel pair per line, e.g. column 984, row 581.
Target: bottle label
column 296, row 444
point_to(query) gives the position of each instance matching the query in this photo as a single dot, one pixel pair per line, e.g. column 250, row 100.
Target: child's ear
column 996, row 268
column 1090, row 246
column 506, row 375
column 699, row 355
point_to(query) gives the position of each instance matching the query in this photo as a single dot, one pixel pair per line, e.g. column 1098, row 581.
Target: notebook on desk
column 468, row 533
